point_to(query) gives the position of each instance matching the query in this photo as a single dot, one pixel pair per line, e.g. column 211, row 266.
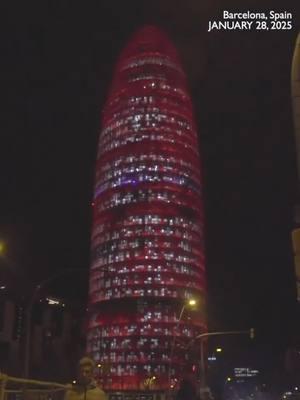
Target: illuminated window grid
column 147, row 236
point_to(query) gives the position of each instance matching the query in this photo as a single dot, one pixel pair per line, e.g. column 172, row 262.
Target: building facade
column 147, row 253
column 57, row 337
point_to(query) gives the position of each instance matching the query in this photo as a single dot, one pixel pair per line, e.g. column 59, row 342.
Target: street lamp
column 206, row 335
column 31, row 303
column 189, row 303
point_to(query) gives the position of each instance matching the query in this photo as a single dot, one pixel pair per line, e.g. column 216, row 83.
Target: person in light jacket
column 86, row 387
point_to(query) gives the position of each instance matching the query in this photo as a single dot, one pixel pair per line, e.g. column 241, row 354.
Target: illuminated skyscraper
column 147, row 237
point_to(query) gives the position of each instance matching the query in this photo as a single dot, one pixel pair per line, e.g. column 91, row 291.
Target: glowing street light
column 206, row 335
column 190, row 303
column 219, row 350
column 2, row 247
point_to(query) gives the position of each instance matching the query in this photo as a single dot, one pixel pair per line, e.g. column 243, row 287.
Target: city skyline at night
column 58, row 65
column 147, row 237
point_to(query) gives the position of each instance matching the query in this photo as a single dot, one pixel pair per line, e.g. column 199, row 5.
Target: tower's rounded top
column 149, row 30
column 149, row 39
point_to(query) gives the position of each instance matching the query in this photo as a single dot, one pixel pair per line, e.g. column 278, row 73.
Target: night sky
column 57, row 62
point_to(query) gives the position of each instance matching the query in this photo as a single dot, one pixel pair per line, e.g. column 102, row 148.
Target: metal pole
column 223, row 333
column 173, row 345
column 53, row 385
column 3, row 380
column 28, row 332
column 202, row 366
column 202, row 355
column 27, row 341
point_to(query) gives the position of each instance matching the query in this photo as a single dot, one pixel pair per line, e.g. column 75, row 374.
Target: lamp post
column 29, row 309
column 208, row 334
column 190, row 303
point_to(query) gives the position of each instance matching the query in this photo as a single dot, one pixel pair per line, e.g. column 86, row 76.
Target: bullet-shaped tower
column 147, row 256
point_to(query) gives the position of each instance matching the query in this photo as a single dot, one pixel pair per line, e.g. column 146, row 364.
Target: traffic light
column 252, row 333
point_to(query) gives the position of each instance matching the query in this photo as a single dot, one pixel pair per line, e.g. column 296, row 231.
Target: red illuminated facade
column 147, row 239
